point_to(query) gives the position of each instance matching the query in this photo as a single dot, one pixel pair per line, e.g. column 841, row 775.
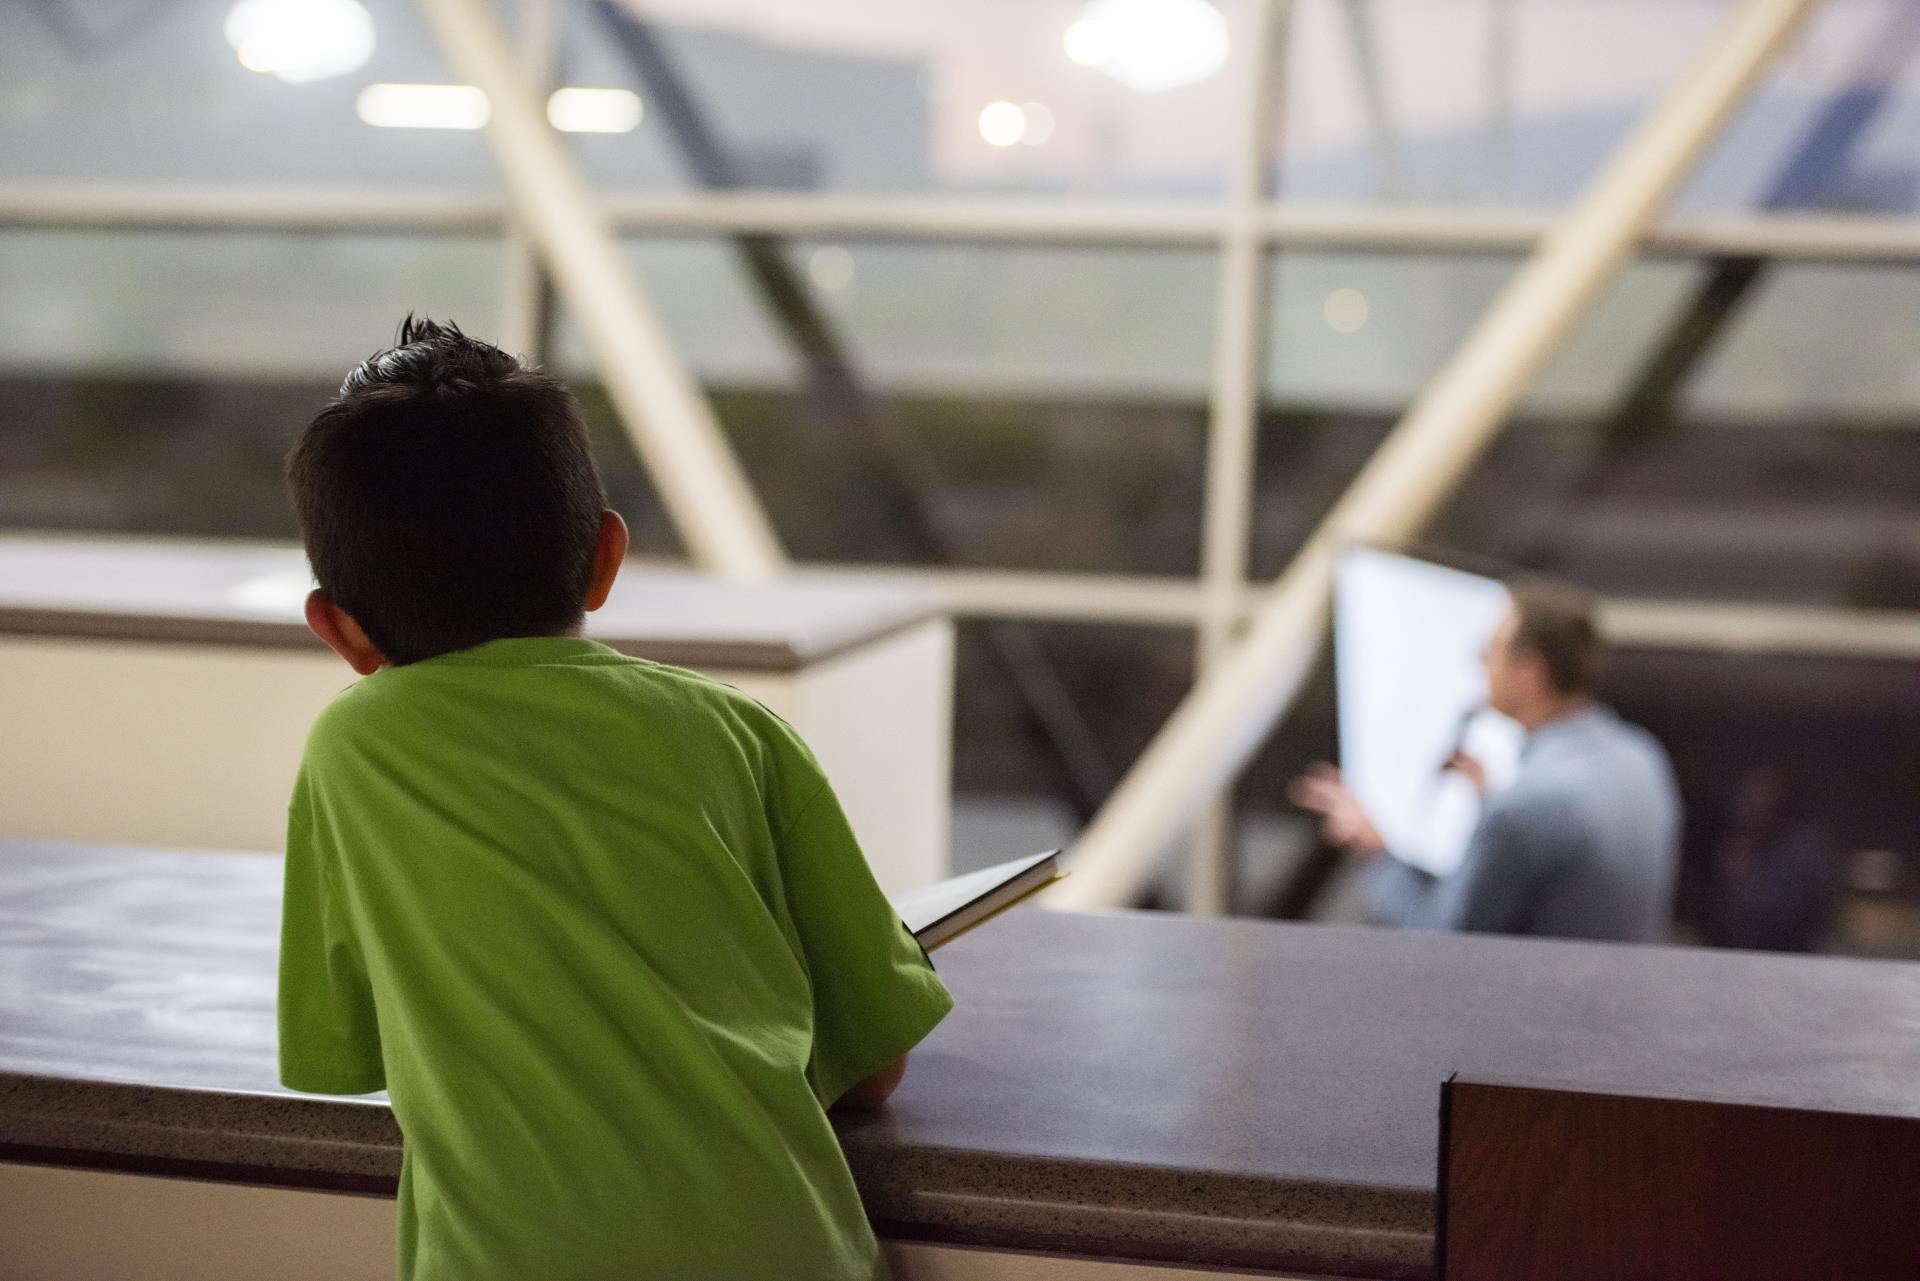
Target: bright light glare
column 423, row 106
column 831, row 268
column 300, row 40
column 1002, row 123
column 1088, row 43
column 1345, row 310
column 1149, row 45
column 1039, row 123
column 594, row 111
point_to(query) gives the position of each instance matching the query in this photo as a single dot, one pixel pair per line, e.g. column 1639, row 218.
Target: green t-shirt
column 600, row 929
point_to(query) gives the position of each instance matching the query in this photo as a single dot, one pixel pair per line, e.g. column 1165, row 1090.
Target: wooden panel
column 1577, row 1185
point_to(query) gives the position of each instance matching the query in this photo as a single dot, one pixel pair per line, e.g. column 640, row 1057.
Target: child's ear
column 609, row 553
column 342, row 634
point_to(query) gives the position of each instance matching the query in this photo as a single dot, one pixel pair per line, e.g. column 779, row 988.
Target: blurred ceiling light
column 1345, row 310
column 1149, row 45
column 423, row 106
column 1089, row 42
column 301, row 40
column 594, row 111
column 1002, row 123
column 1039, row 123
column 831, row 268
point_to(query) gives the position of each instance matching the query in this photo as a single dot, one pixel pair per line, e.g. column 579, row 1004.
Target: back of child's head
column 448, row 496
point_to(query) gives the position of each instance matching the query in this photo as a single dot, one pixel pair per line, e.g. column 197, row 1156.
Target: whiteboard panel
column 1407, row 640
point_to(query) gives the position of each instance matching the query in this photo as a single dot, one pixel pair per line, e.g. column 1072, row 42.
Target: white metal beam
column 1233, row 412
column 1797, row 630
column 523, row 286
column 1131, row 600
column 1812, row 237
column 1015, row 220
column 1021, row 219
column 1139, row 600
column 228, row 206
column 656, row 394
column 1222, row 722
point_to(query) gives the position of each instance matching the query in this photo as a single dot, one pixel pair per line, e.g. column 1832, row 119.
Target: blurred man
column 1582, row 844
column 1778, row 880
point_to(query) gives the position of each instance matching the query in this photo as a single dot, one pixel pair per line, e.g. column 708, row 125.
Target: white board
column 1407, row 640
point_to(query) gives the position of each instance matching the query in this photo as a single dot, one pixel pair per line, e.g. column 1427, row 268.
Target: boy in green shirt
column 597, row 926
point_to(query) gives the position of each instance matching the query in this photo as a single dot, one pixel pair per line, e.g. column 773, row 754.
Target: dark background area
column 1820, row 514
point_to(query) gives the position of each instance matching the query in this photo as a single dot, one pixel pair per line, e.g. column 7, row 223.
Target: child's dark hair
column 448, row 496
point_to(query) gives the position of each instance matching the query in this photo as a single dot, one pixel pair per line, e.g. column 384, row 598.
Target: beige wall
column 195, row 746
column 90, row 1225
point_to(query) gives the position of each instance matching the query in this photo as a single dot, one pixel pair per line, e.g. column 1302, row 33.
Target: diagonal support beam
column 656, row 394
column 1368, row 68
column 1224, row 719
column 898, row 493
column 1648, row 410
column 1822, row 155
column 526, row 298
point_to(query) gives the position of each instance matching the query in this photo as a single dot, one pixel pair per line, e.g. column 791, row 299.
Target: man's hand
column 1345, row 824
column 1470, row 769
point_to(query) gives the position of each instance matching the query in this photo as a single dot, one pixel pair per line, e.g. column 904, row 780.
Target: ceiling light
column 1345, row 311
column 831, row 268
column 423, row 106
column 1089, row 42
column 1149, row 45
column 1002, row 123
column 1039, row 123
column 300, row 40
column 594, row 110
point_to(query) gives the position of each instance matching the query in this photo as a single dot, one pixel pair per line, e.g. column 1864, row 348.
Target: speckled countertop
column 1237, row 1093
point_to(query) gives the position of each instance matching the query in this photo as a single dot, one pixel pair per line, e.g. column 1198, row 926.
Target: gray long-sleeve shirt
column 1583, row 844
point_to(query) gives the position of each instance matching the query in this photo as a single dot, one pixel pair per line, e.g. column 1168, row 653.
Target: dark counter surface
column 1234, row 1092
column 237, row 593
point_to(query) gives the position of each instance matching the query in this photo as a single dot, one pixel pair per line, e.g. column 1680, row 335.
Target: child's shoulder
column 723, row 700
column 351, row 714
column 682, row 680
column 399, row 703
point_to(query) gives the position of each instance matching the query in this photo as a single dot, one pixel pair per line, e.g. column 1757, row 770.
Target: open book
column 948, row 909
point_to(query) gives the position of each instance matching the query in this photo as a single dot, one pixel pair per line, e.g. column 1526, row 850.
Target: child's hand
column 874, row 1091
